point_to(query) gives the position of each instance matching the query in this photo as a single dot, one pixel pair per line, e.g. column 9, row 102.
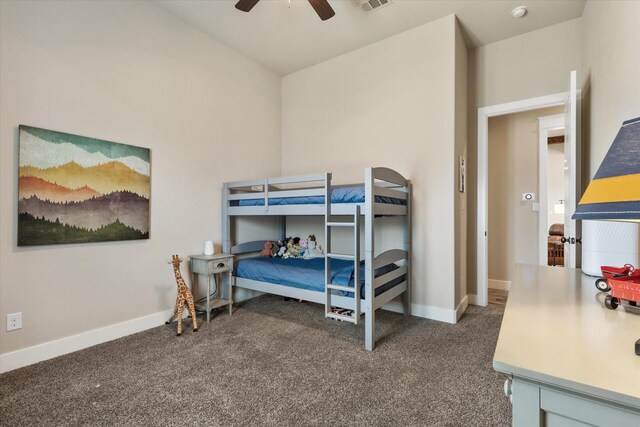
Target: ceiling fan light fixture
column 322, row 7
column 519, row 12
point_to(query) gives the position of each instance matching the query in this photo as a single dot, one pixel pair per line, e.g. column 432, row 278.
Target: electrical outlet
column 14, row 321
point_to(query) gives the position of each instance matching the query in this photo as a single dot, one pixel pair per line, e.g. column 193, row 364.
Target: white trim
column 241, row 294
column 428, row 311
column 545, row 124
column 473, row 299
column 394, row 306
column 482, row 266
column 462, row 307
column 48, row 350
column 434, row 313
column 502, row 285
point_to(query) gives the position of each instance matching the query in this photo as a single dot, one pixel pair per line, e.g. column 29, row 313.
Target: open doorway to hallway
column 513, row 217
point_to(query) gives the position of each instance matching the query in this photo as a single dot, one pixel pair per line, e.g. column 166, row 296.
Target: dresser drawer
column 564, row 409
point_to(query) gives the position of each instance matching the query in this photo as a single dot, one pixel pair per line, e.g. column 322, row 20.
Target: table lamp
column 614, row 192
column 614, row 195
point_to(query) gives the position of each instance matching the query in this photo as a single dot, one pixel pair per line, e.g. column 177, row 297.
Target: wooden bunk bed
column 385, row 193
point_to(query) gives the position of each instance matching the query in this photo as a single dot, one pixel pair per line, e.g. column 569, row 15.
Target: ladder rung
column 341, row 317
column 341, row 256
column 339, row 287
column 341, row 224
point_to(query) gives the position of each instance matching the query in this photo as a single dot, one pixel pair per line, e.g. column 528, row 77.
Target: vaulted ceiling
column 287, row 36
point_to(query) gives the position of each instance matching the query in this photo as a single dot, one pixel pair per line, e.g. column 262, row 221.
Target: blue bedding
column 307, row 273
column 342, row 194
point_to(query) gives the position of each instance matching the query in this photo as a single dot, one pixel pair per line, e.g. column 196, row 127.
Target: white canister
column 208, row 247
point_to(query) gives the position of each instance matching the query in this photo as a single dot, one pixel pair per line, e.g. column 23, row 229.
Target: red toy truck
column 613, row 273
column 623, row 288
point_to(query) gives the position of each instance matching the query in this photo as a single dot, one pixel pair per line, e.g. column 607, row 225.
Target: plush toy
column 313, row 249
column 282, row 250
column 268, row 249
column 292, row 251
column 304, row 244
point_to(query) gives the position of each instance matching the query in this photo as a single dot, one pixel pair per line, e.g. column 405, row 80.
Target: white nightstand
column 210, row 265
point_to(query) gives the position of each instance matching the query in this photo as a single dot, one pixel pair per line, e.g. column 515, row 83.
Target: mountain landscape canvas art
column 74, row 189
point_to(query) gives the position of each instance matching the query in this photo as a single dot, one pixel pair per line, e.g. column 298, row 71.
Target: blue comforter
column 307, row 273
column 341, row 194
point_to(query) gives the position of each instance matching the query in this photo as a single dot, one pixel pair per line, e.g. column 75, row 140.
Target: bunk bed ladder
column 353, row 291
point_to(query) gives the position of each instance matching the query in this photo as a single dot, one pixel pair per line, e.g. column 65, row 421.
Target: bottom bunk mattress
column 308, row 274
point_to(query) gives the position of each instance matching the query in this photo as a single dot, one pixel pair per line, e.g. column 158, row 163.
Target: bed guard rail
column 292, row 186
column 385, row 182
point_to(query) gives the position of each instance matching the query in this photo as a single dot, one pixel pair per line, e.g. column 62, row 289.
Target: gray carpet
column 272, row 363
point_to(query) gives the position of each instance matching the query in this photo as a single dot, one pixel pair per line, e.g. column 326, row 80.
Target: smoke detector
column 519, row 12
column 371, row 5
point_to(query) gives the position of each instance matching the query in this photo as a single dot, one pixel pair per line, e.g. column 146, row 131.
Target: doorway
column 565, row 98
column 551, row 185
column 515, row 195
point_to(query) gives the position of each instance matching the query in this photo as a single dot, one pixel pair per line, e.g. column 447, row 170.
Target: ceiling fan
column 322, row 7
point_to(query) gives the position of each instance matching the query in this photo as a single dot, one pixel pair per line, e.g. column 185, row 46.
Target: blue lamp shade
column 614, row 192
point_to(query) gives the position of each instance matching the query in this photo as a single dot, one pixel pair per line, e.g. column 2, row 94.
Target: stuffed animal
column 313, row 249
column 268, row 249
column 282, row 250
column 304, row 244
column 292, row 251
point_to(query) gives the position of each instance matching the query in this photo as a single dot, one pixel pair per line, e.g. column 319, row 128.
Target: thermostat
column 527, row 197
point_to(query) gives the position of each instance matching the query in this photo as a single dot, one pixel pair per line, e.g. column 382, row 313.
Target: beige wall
column 126, row 72
column 513, row 170
column 611, row 32
column 612, row 64
column 526, row 66
column 390, row 104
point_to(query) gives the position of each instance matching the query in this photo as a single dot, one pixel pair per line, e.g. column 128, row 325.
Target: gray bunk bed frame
column 377, row 182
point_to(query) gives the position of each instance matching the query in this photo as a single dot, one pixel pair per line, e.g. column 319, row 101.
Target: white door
column 572, row 173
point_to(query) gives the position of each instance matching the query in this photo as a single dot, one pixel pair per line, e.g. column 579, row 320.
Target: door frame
column 482, row 224
column 545, row 124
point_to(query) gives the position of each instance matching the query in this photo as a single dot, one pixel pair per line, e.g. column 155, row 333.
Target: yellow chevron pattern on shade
column 625, row 188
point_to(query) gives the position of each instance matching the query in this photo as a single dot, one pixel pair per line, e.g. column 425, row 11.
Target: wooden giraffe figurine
column 184, row 298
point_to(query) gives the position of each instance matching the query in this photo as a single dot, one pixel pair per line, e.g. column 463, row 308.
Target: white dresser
column 569, row 360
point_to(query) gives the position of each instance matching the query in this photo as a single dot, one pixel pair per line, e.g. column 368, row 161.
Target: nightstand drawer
column 221, row 265
column 209, row 267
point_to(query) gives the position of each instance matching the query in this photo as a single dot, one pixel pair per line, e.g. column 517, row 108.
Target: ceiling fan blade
column 322, row 8
column 246, row 5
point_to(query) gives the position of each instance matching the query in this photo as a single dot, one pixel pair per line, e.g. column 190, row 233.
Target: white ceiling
column 287, row 38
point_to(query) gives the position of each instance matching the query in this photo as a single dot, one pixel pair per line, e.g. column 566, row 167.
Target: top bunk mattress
column 307, row 273
column 339, row 194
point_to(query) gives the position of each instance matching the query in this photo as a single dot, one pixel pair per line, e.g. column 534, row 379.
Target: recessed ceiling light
column 519, row 12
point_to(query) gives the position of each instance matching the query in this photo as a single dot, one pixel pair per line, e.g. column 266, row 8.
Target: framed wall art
column 75, row 189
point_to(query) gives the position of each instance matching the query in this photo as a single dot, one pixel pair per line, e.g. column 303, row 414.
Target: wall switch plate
column 14, row 321
column 535, row 207
column 528, row 197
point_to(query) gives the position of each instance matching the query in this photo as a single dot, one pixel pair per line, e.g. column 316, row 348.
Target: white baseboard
column 499, row 284
column 435, row 313
column 49, row 350
column 460, row 309
column 473, row 299
column 395, row 306
column 241, row 294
